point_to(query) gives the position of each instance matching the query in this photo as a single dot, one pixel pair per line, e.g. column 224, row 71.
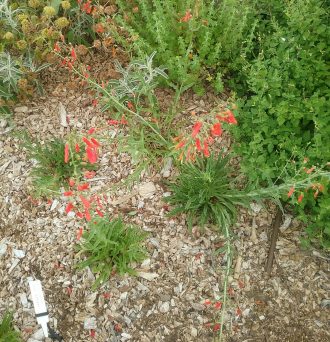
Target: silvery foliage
column 138, row 78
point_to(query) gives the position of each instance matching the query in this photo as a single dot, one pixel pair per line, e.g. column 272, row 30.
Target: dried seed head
column 62, row 22
column 65, row 5
column 8, row 36
column 49, row 11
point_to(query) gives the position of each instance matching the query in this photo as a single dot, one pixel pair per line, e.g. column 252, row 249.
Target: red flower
column 68, row 193
column 57, row 47
column 113, row 122
column 92, row 333
column 180, row 145
column 85, row 202
column 69, row 207
column 186, row 17
column 291, row 191
column 310, row 170
column 91, row 155
column 99, row 28
column 79, row 233
column 216, row 327
column 238, row 312
column 86, row 7
column 217, row 305
column 197, row 127
column 73, row 54
column 80, row 215
column 206, row 151
column 229, row 117
column 71, row 182
column 77, row 148
column 66, row 153
column 99, row 212
column 207, row 302
column 83, row 187
column 130, row 105
column 89, row 174
column 123, row 121
column 87, row 142
column 95, row 102
column 87, row 215
column 95, row 142
column 216, row 130
column 198, row 144
column 107, row 295
column 300, row 198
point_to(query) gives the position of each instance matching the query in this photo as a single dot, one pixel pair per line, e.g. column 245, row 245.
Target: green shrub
column 194, row 39
column 111, row 247
column 285, row 117
column 7, row 332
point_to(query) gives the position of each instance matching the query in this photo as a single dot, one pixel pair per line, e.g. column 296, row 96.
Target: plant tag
column 39, row 305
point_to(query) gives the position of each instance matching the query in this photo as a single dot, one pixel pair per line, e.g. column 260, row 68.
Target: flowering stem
column 225, row 282
column 116, row 102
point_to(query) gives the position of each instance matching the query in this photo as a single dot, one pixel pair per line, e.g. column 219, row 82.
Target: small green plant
column 56, row 163
column 7, row 332
column 205, row 192
column 112, row 247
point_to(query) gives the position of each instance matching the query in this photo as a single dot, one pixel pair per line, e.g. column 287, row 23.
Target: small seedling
column 7, row 332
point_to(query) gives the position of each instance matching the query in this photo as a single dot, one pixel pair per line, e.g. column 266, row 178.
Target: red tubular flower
column 85, row 202
column 87, row 215
column 206, row 151
column 186, row 17
column 77, row 148
column 95, row 142
column 66, row 153
column 68, row 193
column 180, row 145
column 91, row 155
column 123, row 121
column 198, row 144
column 207, row 302
column 113, row 122
column 310, row 170
column 197, row 127
column 216, row 130
column 69, row 207
column 79, row 233
column 80, row 214
column 230, row 117
column 87, row 142
column 73, row 54
column 71, row 182
column 217, row 305
column 216, row 327
column 99, row 212
column 89, row 174
column 57, row 47
column 291, row 191
column 83, row 187
column 95, row 102
column 300, row 198
column 130, row 105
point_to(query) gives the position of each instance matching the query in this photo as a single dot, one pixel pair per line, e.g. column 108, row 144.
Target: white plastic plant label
column 39, row 305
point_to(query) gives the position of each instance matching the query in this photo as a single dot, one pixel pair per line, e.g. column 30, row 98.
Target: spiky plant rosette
column 205, row 193
column 111, row 247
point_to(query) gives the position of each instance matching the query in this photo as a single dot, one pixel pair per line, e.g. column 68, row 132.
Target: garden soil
column 168, row 300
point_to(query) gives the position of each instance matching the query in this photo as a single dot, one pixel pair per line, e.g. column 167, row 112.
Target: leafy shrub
column 111, row 247
column 194, row 39
column 285, row 116
column 7, row 332
column 205, row 192
column 51, row 170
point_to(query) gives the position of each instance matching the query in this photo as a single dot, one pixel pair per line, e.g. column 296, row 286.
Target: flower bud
column 49, row 11
column 65, row 5
column 62, row 22
column 8, row 36
column 21, row 44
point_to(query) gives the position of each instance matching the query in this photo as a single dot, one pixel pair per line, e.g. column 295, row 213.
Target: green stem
column 116, row 102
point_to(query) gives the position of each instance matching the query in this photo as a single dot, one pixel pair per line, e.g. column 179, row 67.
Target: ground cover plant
column 7, row 332
column 111, row 247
